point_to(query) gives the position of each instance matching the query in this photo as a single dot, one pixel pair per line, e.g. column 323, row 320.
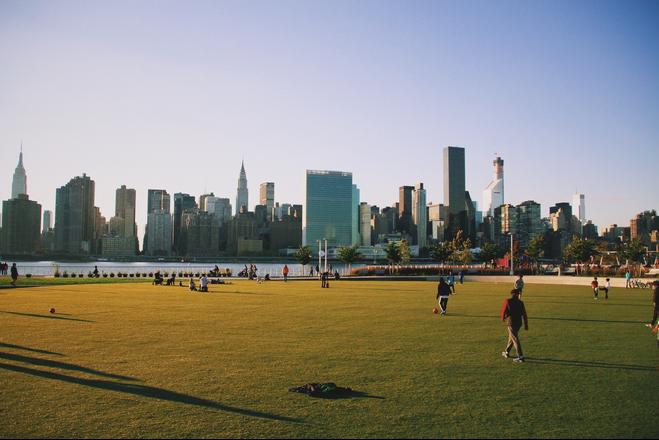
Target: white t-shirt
column 203, row 281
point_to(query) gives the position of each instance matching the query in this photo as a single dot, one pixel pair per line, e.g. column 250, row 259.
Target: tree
column 489, row 252
column 580, row 250
column 633, row 251
column 393, row 253
column 349, row 255
column 405, row 254
column 536, row 248
column 460, row 247
column 441, row 251
column 303, row 256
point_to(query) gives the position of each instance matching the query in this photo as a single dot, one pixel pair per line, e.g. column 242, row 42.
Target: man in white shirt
column 203, row 283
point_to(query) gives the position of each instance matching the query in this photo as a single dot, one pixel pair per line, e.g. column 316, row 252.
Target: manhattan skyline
column 375, row 89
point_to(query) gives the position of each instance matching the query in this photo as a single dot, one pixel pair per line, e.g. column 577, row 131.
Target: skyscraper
column 356, row 238
column 220, row 207
column 493, row 194
column 365, row 223
column 328, row 213
column 47, row 221
column 267, row 197
column 158, row 200
column 75, row 217
column 125, row 209
column 19, row 183
column 242, row 195
column 182, row 202
column 454, row 190
column 21, row 218
column 406, row 208
column 579, row 206
column 420, row 215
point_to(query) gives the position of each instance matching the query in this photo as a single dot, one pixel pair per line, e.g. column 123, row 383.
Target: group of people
column 250, row 273
column 4, row 267
column 203, row 284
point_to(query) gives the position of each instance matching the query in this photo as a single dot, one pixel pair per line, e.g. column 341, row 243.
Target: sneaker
column 505, row 354
column 519, row 359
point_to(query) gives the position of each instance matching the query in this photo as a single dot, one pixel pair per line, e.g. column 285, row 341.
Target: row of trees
column 458, row 250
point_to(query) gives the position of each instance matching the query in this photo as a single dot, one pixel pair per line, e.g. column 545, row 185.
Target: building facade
column 21, row 221
column 328, row 212
column 75, row 217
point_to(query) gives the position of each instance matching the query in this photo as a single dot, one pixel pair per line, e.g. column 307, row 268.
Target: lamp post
column 512, row 256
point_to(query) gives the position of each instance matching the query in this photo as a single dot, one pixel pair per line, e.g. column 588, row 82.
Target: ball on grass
column 52, row 310
column 435, row 311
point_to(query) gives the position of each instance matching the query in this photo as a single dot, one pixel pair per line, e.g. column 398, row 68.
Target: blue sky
column 157, row 94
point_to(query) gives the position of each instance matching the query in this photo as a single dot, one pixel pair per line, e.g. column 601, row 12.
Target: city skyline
column 123, row 107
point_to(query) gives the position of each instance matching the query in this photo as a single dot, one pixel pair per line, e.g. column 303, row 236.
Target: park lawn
column 134, row 360
column 38, row 281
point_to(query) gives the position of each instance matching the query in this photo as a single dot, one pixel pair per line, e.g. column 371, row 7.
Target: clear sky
column 172, row 95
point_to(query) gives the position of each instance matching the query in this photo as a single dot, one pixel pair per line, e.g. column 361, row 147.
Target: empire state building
column 19, row 184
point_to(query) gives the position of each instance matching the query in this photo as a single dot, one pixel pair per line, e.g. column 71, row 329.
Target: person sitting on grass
column 157, row 280
column 192, row 286
column 171, row 280
column 203, row 283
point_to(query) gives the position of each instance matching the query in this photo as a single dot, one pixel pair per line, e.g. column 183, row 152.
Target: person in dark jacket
column 514, row 312
column 443, row 292
column 14, row 274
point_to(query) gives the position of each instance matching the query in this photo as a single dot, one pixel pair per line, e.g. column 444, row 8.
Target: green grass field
column 52, row 281
column 134, row 360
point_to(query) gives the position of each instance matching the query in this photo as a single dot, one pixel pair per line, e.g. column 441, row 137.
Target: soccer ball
column 435, row 311
column 52, row 310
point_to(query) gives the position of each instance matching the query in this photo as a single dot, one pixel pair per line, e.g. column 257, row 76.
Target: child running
column 595, row 285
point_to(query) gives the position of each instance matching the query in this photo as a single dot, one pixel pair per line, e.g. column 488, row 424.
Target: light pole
column 512, row 256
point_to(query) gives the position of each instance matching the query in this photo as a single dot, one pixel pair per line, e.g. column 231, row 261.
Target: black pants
column 654, row 317
column 443, row 303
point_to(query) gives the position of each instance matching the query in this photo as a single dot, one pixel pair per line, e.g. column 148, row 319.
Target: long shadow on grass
column 60, row 365
column 608, row 303
column 549, row 318
column 147, row 391
column 348, row 394
column 34, row 350
column 573, row 363
column 34, row 315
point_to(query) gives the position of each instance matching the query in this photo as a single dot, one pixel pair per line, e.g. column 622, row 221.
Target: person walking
column 595, row 285
column 451, row 281
column 514, row 313
column 461, row 277
column 443, row 292
column 606, row 288
column 519, row 284
column 14, row 274
column 285, row 272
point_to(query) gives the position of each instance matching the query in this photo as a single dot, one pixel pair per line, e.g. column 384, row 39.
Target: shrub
column 150, row 274
column 196, row 275
column 73, row 275
column 166, row 274
column 144, row 275
column 180, row 274
column 57, row 274
column 65, row 274
column 79, row 275
column 111, row 274
column 105, row 275
column 28, row 275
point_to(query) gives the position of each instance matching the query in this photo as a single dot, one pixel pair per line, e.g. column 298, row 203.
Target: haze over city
column 173, row 96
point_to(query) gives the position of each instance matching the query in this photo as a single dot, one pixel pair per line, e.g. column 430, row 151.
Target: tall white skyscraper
column 365, row 223
column 420, row 215
column 579, row 206
column 493, row 194
column 19, row 183
column 242, row 196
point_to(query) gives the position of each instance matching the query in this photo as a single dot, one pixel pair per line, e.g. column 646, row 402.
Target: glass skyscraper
column 328, row 213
